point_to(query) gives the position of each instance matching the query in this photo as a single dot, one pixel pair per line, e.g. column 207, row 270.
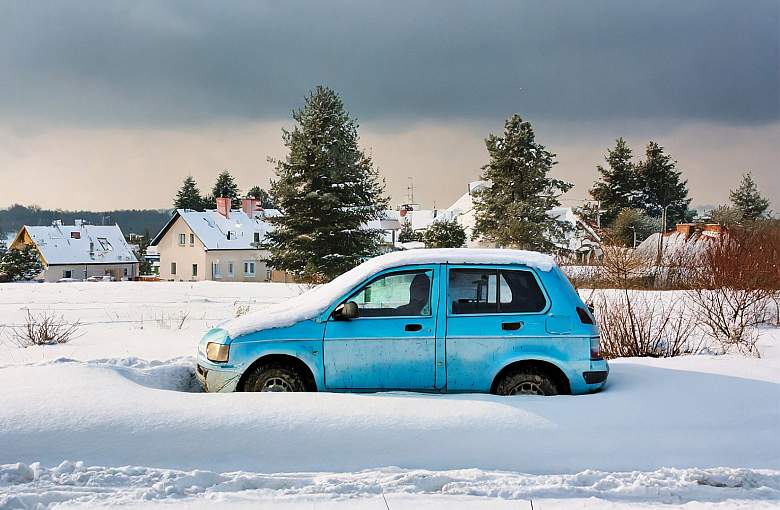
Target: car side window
column 484, row 291
column 473, row 291
column 400, row 294
column 520, row 292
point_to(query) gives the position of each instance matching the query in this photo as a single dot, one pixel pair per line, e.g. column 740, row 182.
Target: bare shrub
column 645, row 324
column 734, row 281
column 242, row 310
column 640, row 323
column 45, row 328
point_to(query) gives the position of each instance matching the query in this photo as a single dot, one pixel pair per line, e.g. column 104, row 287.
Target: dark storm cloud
column 143, row 62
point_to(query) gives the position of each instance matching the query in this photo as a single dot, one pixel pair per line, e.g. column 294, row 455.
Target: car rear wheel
column 526, row 381
column 275, row 377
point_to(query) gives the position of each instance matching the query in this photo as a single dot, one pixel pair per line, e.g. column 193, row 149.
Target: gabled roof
column 212, row 228
column 80, row 244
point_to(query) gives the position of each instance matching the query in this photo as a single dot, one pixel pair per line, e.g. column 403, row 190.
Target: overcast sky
column 111, row 104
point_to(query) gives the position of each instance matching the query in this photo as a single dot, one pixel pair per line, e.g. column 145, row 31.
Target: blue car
column 497, row 321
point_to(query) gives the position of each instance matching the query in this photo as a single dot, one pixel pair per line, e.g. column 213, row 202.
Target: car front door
column 493, row 314
column 391, row 345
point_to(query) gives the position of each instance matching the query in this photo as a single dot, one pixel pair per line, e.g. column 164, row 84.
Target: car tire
column 527, row 381
column 276, row 377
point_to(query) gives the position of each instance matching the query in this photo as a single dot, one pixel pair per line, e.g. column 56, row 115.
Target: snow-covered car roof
column 314, row 302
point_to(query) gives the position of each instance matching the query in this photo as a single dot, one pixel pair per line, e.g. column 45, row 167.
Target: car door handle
column 511, row 326
column 413, row 327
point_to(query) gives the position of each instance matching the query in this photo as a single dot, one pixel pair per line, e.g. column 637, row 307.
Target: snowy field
column 114, row 418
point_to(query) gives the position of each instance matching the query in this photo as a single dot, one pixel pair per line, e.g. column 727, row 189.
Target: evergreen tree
column 21, row 264
column 327, row 189
column 226, row 187
column 663, row 186
column 630, row 222
column 726, row 216
column 188, row 196
column 262, row 197
column 512, row 209
column 407, row 233
column 748, row 200
column 444, row 234
column 619, row 187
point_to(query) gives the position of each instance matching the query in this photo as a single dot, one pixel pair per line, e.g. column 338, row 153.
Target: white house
column 80, row 251
column 221, row 244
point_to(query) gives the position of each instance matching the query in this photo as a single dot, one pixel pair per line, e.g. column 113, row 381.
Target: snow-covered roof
column 676, row 245
column 81, row 244
column 311, row 304
column 216, row 232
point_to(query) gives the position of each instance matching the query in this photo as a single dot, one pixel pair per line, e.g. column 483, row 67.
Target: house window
column 230, row 269
column 257, row 237
column 67, row 273
column 125, row 271
column 194, row 270
column 182, row 239
column 173, row 267
column 192, row 239
column 215, row 270
column 249, row 268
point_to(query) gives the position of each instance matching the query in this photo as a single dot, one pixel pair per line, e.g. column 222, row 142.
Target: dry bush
column 639, row 323
column 242, row 310
column 644, row 324
column 734, row 282
column 45, row 328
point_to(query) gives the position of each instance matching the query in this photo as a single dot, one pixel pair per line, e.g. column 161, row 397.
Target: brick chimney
column 249, row 206
column 223, row 206
column 713, row 227
column 685, row 229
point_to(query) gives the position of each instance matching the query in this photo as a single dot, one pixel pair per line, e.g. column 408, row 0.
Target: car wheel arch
column 559, row 377
column 293, row 361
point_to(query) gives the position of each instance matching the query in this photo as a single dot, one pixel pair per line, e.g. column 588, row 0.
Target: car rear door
column 391, row 345
column 494, row 313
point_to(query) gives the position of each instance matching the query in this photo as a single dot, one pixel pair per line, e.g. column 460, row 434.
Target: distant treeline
column 135, row 221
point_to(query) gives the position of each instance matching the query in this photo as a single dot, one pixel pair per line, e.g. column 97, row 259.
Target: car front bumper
column 216, row 379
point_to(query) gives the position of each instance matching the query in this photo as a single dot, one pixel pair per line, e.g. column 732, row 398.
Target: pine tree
column 663, row 186
column 261, row 196
column 444, row 234
column 619, row 187
column 189, row 197
column 748, row 200
column 512, row 209
column 726, row 216
column 327, row 189
column 631, row 222
column 21, row 264
column 407, row 233
column 226, row 187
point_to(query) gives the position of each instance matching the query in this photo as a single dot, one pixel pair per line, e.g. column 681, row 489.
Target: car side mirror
column 346, row 311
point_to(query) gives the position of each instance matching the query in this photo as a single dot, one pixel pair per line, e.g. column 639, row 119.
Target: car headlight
column 217, row 352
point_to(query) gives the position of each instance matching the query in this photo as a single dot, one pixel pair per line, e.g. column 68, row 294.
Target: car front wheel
column 274, row 377
column 526, row 381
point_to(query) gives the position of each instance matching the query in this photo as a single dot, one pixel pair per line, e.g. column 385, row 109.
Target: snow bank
column 27, row 486
column 314, row 302
column 649, row 417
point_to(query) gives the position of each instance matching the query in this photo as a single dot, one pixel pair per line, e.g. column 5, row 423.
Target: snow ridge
column 29, row 486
